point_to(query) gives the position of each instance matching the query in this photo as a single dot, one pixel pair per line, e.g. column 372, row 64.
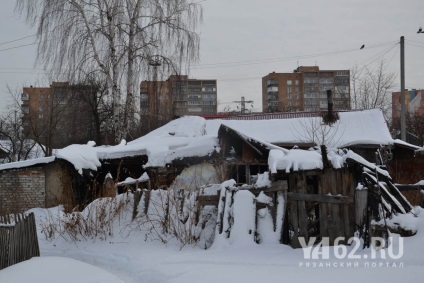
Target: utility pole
column 402, row 89
column 155, row 62
column 243, row 104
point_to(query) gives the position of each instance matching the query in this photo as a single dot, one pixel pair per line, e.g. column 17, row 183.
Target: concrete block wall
column 22, row 189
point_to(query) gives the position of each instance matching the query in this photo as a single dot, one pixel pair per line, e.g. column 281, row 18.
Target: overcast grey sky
column 244, row 40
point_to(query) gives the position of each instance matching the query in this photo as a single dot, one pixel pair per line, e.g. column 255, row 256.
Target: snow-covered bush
column 98, row 220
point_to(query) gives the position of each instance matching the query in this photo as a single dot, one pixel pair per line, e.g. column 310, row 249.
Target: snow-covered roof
column 353, row 128
column 184, row 137
column 131, row 181
column 27, row 163
column 408, row 145
column 193, row 136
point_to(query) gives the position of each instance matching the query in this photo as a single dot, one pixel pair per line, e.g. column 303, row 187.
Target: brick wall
column 22, row 189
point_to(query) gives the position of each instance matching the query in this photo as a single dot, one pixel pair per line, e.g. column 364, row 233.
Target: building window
column 289, row 89
column 272, row 82
column 297, row 82
column 289, row 96
column 289, row 82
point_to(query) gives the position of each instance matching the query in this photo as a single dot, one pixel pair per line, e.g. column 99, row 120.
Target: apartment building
column 178, row 96
column 305, row 90
column 58, row 115
column 414, row 102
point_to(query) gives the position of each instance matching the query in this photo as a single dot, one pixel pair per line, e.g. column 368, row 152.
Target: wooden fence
column 18, row 239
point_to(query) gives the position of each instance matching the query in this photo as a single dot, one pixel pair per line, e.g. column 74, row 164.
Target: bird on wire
column 420, row 30
column 362, row 47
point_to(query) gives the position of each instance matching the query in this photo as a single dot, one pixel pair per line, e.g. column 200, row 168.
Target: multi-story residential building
column 414, row 107
column 305, row 90
column 414, row 102
column 178, row 96
column 58, row 115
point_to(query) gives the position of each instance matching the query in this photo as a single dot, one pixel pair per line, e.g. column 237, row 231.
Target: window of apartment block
column 311, row 95
column 289, row 82
column 310, row 102
column 209, row 89
column 326, row 80
column 289, row 96
column 272, row 82
column 323, row 103
column 290, row 103
column 310, row 80
column 342, row 73
column 297, row 96
column 296, row 89
column 297, row 82
column 289, row 89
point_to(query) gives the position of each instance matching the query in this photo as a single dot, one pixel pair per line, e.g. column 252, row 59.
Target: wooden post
column 247, row 171
column 146, row 201
column 361, row 204
column 137, row 198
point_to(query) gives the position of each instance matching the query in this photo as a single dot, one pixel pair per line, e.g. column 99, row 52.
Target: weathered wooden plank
column 4, row 247
column 146, row 201
column 214, row 199
column 137, row 198
column 303, row 221
column 280, row 207
column 323, row 219
column 294, row 221
column 361, row 203
column 346, row 220
column 324, row 186
column 330, row 224
column 336, row 199
column 337, row 222
column 35, row 246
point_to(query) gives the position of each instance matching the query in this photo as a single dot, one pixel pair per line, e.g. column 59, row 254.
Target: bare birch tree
column 372, row 87
column 13, row 140
column 116, row 39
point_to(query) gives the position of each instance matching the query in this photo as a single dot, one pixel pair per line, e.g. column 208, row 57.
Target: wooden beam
column 320, row 198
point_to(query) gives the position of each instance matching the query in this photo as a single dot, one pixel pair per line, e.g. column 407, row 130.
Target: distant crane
column 243, row 102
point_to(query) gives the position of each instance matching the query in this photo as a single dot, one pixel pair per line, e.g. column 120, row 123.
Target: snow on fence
column 309, row 204
column 215, row 212
column 18, row 239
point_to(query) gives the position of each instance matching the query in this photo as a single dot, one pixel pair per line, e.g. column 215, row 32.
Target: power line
column 419, row 46
column 16, row 47
column 367, row 62
column 310, row 55
column 378, row 56
column 415, row 41
column 19, row 39
column 270, row 60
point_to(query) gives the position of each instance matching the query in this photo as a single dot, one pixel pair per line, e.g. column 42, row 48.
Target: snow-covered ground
column 134, row 257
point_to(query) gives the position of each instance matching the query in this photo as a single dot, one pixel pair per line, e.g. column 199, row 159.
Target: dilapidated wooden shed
column 325, row 196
